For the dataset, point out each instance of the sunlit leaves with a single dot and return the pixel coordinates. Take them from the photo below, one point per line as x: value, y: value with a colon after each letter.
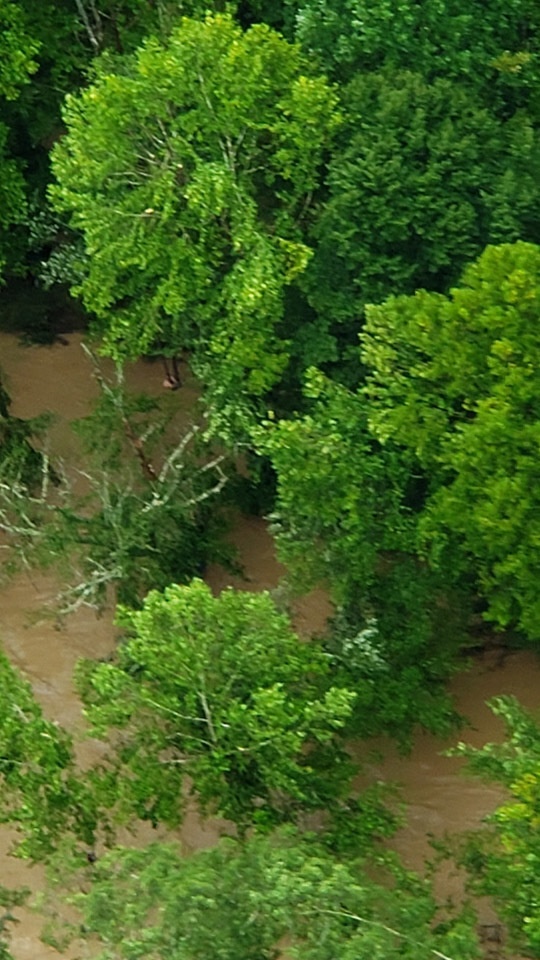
x: 245, y: 901
x: 221, y: 690
x: 454, y: 380
x: 503, y: 858
x: 194, y: 221
x: 18, y: 49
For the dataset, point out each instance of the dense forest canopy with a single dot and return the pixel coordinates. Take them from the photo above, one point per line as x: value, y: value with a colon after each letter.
x: 329, y: 211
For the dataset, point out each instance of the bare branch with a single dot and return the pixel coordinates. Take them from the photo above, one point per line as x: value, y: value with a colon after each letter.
x: 204, y: 702
x: 92, y: 36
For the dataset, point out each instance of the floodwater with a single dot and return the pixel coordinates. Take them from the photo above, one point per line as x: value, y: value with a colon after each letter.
x: 439, y: 798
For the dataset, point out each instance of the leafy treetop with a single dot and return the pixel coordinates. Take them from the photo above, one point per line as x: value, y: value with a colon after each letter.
x: 260, y: 894
x: 190, y: 170
x: 220, y: 690
x: 453, y: 380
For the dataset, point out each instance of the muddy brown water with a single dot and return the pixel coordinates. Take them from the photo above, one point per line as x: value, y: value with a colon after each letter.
x: 439, y: 798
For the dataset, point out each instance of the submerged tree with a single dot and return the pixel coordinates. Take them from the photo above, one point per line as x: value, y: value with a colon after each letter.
x: 141, y: 515
x: 453, y: 382
x: 22, y: 461
x: 220, y: 693
x: 346, y: 515
x: 503, y: 857
x: 191, y: 172
x: 42, y: 793
x: 244, y: 901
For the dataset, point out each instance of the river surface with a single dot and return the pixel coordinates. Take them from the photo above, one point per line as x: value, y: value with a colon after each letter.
x: 440, y: 799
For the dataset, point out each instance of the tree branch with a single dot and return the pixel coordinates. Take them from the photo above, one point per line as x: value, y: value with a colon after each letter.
x: 383, y: 926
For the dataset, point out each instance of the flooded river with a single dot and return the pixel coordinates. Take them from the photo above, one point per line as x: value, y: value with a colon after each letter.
x: 439, y: 797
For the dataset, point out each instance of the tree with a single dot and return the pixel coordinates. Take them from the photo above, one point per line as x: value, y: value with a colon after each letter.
x: 12, y: 198
x: 47, y: 51
x: 422, y: 177
x: 9, y: 898
x: 42, y: 793
x: 452, y: 381
x: 503, y: 858
x: 18, y: 49
x: 20, y: 459
x: 147, y: 514
x: 193, y: 223
x: 481, y: 43
x: 244, y: 901
x: 221, y: 691
x: 345, y: 517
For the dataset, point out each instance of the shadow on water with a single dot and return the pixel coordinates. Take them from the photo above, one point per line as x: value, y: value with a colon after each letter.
x: 37, y: 315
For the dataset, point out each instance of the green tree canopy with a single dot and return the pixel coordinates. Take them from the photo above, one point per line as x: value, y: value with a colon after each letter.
x: 422, y: 177
x: 244, y: 901
x: 503, y: 858
x: 18, y: 49
x: 345, y: 517
x: 190, y: 171
x: 471, y: 40
x: 41, y: 792
x: 454, y: 381
x: 220, y: 690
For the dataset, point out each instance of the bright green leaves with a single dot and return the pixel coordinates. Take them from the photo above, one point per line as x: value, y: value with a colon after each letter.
x: 244, y: 901
x: 190, y: 173
x: 454, y: 380
x: 18, y: 49
x: 40, y: 792
x: 220, y: 690
x: 503, y: 859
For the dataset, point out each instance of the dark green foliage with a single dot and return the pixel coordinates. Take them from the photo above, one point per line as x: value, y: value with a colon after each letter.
x: 423, y: 176
x: 345, y: 516
x: 12, y: 199
x: 397, y: 646
x: 471, y: 40
x: 21, y: 462
x: 337, y: 491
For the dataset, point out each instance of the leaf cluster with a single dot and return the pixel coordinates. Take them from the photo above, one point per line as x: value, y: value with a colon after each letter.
x: 220, y: 690
x: 502, y: 859
x: 260, y: 895
x: 452, y: 381
x: 345, y: 516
